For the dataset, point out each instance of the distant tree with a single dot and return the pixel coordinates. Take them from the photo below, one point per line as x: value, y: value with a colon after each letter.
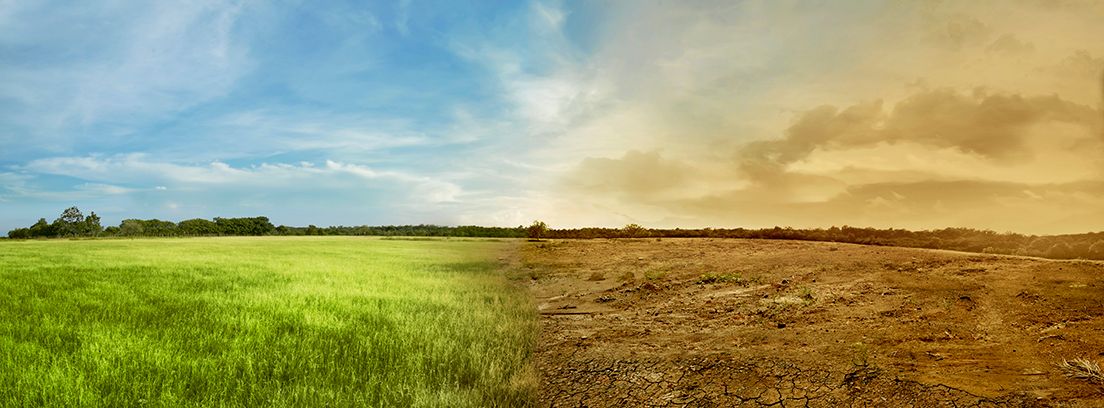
x: 19, y: 233
x: 634, y: 231
x: 1039, y: 246
x: 70, y: 223
x: 60, y: 228
x: 72, y: 215
x: 41, y: 229
x: 91, y: 226
x: 132, y: 228
x: 263, y: 226
x: 197, y: 227
x: 1096, y: 251
x: 537, y: 230
x: 245, y: 226
x: 313, y: 230
x: 1079, y: 249
x: 159, y: 228
x: 1060, y: 250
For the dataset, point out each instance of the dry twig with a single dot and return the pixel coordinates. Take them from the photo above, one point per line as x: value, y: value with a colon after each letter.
x: 1082, y: 369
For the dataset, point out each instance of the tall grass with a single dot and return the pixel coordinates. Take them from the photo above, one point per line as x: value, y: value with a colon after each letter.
x: 262, y: 322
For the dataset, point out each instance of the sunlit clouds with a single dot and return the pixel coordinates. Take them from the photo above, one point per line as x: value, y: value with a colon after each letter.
x: 915, y: 115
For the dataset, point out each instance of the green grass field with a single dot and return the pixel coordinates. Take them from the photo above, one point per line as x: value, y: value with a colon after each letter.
x: 310, y: 321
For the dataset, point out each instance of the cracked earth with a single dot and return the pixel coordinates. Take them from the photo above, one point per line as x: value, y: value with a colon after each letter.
x: 699, y: 322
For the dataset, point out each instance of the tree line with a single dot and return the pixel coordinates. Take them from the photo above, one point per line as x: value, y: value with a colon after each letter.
x: 423, y: 230
x: 1068, y: 246
x: 73, y: 223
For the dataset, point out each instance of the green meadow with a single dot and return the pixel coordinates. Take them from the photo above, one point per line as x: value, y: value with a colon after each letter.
x: 308, y: 321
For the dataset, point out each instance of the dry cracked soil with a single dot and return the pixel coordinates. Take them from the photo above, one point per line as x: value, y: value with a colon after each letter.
x: 730, y: 322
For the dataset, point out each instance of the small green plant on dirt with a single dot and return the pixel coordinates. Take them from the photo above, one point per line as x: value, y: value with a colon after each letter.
x: 709, y: 278
x: 860, y: 354
x: 946, y: 303
x: 1082, y: 369
x: 654, y: 275
x: 774, y: 308
x: 863, y: 371
x: 807, y: 294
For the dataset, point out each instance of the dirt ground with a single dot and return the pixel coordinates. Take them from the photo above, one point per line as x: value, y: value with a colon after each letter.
x: 728, y: 322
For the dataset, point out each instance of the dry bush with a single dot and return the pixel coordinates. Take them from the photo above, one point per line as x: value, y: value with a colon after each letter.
x: 1082, y: 369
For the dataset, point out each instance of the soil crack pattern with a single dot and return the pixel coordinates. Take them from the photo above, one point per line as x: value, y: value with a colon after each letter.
x: 757, y: 382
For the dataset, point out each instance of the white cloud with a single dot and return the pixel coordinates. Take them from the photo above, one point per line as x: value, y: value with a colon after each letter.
x: 294, y: 131
x: 432, y: 190
x: 402, y: 18
x: 12, y: 185
x: 133, y: 169
x: 22, y: 187
x: 103, y: 173
x: 547, y: 81
x: 550, y: 17
x: 176, y: 57
x: 114, y: 65
x: 103, y: 189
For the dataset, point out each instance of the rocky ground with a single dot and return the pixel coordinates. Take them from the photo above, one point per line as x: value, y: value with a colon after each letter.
x: 699, y: 322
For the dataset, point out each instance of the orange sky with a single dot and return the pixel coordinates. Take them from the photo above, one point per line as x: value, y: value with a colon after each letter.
x: 916, y: 114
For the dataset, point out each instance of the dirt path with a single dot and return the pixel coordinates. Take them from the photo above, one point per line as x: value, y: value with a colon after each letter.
x: 698, y: 322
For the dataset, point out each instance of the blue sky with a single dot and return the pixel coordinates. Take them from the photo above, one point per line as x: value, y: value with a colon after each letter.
x: 665, y: 114
x: 343, y: 112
